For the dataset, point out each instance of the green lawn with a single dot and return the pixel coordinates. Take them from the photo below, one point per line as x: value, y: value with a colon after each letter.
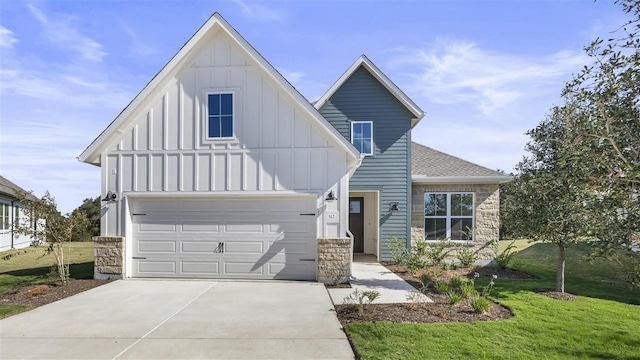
x: 32, y: 266
x: 604, y: 322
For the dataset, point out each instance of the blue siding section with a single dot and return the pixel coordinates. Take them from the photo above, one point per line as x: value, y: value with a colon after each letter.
x: 363, y: 98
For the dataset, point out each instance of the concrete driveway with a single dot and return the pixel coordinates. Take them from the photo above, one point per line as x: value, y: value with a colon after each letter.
x: 154, y: 319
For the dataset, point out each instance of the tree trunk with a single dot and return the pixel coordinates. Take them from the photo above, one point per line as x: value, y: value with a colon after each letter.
x: 560, y: 268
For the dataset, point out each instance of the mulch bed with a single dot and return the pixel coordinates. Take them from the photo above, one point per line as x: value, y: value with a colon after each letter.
x: 438, y: 311
x: 38, y: 295
x: 557, y: 295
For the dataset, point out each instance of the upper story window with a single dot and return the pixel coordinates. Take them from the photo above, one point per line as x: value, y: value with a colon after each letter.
x: 362, y: 136
x: 220, y: 116
x: 448, y: 216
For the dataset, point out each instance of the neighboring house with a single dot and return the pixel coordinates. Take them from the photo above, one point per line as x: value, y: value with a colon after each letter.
x: 219, y: 168
x: 10, y: 215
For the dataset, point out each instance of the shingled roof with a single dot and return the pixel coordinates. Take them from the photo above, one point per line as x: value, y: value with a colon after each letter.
x: 430, y: 165
x: 9, y: 188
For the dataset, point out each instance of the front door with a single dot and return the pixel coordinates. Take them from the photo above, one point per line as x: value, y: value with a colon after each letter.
x: 356, y: 222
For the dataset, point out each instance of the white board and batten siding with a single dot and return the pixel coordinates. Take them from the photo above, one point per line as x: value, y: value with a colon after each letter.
x: 278, y: 149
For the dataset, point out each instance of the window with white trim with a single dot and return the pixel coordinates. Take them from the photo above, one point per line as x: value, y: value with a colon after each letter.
x: 362, y: 136
x: 448, y: 216
x: 5, y: 215
x: 219, y: 115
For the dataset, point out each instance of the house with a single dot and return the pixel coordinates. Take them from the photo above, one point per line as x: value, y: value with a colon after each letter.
x: 219, y: 168
x: 10, y: 215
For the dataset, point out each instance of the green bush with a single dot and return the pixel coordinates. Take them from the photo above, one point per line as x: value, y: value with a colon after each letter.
x: 437, y: 251
x: 503, y: 259
x: 466, y: 255
x: 399, y: 252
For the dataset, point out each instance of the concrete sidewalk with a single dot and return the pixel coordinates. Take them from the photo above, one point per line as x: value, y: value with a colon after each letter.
x: 156, y: 319
x: 368, y: 274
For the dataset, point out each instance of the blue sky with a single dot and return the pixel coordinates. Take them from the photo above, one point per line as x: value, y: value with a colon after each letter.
x: 484, y: 71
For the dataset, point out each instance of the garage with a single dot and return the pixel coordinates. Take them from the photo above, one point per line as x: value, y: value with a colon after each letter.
x: 225, y: 237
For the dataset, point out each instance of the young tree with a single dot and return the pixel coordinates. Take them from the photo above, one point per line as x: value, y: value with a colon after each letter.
x: 544, y: 200
x: 603, y: 138
x: 56, y: 228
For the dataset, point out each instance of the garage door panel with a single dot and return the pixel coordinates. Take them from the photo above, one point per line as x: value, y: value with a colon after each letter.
x: 258, y: 244
x: 156, y: 246
x: 200, y: 227
x: 200, y: 267
x: 156, y: 267
x: 199, y: 246
x: 244, y: 228
x: 244, y: 247
x: 242, y: 268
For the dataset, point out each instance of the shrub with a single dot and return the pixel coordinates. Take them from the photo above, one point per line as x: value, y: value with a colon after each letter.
x: 466, y: 255
x: 361, y: 298
x: 480, y: 304
x: 503, y: 259
x: 415, y: 298
x: 455, y: 283
x: 38, y: 290
x: 399, y: 252
x: 454, y: 297
x: 468, y: 290
x: 437, y: 251
x: 442, y: 287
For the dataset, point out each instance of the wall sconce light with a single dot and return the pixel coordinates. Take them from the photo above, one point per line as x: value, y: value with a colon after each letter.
x: 110, y: 197
x: 331, y: 196
x: 394, y: 206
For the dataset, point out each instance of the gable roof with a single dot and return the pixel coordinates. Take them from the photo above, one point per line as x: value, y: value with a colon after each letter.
x: 432, y: 166
x: 92, y: 153
x: 9, y: 188
x: 382, y: 78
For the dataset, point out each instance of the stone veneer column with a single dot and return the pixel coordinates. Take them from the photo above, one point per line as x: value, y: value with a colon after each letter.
x: 334, y: 260
x: 109, y: 257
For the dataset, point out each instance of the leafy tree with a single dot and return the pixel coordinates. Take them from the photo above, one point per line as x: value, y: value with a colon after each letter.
x: 57, y: 229
x: 91, y: 210
x: 544, y: 198
x: 603, y: 138
x: 581, y: 180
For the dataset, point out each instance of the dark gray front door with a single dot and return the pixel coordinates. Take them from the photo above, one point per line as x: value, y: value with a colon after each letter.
x: 356, y: 222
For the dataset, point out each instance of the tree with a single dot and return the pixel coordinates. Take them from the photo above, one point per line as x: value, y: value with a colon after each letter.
x: 56, y: 228
x: 582, y: 178
x: 544, y: 198
x: 91, y: 210
x: 603, y: 139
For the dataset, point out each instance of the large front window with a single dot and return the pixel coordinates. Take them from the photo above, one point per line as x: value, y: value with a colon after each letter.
x: 362, y: 136
x: 448, y: 216
x: 220, y: 116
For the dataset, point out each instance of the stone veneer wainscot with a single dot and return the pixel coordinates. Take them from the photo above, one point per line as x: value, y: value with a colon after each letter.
x: 334, y: 260
x: 109, y: 257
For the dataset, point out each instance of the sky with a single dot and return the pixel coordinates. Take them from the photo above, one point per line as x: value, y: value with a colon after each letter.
x: 484, y: 71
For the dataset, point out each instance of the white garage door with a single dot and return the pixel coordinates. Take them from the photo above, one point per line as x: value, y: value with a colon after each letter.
x: 263, y: 238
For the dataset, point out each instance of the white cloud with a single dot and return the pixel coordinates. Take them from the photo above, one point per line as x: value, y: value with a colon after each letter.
x: 58, y: 30
x: 452, y: 72
x: 7, y: 39
x: 292, y: 76
x: 258, y: 12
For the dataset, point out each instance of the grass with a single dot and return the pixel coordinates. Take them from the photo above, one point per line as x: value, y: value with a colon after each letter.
x: 33, y: 266
x: 602, y: 323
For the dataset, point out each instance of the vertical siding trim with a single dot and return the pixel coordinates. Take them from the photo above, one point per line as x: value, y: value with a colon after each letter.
x: 134, y: 145
x: 180, y: 114
x: 150, y: 174
x: 212, y: 172
x: 165, y: 171
x: 150, y: 129
x: 165, y: 121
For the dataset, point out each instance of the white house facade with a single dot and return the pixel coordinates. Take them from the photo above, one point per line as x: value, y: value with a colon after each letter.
x: 219, y: 168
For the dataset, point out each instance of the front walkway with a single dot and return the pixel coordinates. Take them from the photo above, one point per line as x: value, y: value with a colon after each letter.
x: 368, y: 274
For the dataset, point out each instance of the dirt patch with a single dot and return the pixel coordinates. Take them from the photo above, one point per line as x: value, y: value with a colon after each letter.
x: 38, y: 295
x: 557, y: 295
x: 440, y: 310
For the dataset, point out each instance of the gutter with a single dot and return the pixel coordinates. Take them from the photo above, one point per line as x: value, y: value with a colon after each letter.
x: 13, y: 221
x: 423, y: 179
